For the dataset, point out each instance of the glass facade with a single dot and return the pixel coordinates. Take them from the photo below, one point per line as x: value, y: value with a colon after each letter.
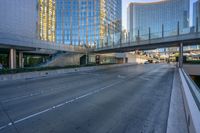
x: 77, y: 22
x: 110, y: 22
x: 82, y: 22
x: 47, y: 20
x: 158, y: 16
x: 196, y: 13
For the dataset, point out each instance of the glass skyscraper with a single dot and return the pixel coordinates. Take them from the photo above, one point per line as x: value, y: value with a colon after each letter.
x: 196, y: 13
x: 82, y: 22
x: 164, y: 14
x: 47, y: 20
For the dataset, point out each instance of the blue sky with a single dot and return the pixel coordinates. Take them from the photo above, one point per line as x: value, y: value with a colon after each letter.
x: 125, y: 5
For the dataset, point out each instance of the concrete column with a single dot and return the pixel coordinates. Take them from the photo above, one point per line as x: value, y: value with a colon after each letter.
x: 149, y: 33
x: 21, y: 60
x: 181, y: 55
x: 163, y: 30
x: 86, y: 57
x: 178, y: 28
x: 12, y: 58
x: 124, y: 58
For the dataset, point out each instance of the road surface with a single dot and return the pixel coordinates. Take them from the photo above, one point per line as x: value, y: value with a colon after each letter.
x: 126, y: 99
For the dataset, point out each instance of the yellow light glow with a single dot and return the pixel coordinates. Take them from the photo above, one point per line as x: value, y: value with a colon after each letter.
x: 47, y: 23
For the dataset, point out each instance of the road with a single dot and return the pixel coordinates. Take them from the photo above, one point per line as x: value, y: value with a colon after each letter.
x: 126, y: 99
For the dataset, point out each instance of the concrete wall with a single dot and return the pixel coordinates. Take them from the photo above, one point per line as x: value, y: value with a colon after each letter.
x: 132, y: 58
x: 192, y: 69
x: 191, y: 108
x: 18, y: 17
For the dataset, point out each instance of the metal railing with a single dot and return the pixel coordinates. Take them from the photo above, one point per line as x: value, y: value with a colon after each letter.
x: 146, y: 34
x: 114, y: 40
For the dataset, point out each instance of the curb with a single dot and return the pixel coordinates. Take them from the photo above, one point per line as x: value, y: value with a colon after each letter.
x: 176, y: 122
x: 29, y: 75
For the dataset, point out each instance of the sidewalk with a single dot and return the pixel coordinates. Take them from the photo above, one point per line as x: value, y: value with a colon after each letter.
x: 177, y: 120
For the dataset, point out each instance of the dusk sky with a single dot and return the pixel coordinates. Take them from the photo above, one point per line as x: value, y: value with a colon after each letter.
x: 125, y: 5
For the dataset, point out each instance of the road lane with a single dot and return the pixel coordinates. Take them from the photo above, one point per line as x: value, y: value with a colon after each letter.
x: 138, y: 100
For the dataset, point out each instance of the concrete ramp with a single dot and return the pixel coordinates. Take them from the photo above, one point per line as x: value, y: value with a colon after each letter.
x: 63, y: 59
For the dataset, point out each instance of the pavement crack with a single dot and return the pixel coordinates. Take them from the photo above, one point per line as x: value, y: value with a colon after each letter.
x: 8, y: 116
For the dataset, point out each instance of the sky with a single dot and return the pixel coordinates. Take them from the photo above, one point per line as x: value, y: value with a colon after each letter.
x: 125, y: 5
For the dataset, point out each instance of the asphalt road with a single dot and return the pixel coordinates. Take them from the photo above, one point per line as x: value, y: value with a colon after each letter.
x: 127, y: 99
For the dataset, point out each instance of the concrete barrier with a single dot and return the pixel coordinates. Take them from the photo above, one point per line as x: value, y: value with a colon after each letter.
x: 191, y: 108
x: 30, y: 75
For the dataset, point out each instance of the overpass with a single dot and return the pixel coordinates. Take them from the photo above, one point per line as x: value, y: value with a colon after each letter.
x: 119, y: 43
x: 17, y: 43
x: 23, y: 43
x: 152, y: 43
x: 151, y: 40
x: 173, y: 38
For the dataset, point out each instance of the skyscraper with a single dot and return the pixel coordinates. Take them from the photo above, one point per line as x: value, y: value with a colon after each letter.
x: 47, y: 23
x: 196, y: 13
x: 79, y: 22
x: 156, y: 16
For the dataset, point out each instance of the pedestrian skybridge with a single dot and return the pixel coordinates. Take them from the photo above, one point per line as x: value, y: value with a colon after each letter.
x: 125, y: 42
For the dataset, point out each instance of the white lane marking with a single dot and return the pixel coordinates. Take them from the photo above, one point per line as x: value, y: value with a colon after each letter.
x: 21, y: 97
x: 44, y: 91
x: 59, y: 105
x: 4, y: 127
x: 33, y: 115
x: 28, y: 95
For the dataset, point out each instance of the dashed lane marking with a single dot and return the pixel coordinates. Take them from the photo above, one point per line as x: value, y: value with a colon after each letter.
x: 59, y: 105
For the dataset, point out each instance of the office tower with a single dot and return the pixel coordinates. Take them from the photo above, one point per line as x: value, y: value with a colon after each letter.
x: 157, y: 16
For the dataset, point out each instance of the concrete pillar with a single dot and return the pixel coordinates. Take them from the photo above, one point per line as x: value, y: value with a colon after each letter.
x: 124, y: 58
x: 181, y: 55
x: 86, y: 58
x: 12, y: 59
x: 21, y: 60
x: 149, y: 33
x: 178, y: 28
x: 163, y: 30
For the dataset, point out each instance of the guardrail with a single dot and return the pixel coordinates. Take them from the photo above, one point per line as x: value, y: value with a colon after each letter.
x: 191, y: 97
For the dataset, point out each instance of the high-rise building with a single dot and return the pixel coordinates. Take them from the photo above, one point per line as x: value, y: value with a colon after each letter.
x: 164, y: 14
x: 47, y: 20
x: 80, y: 22
x: 196, y: 13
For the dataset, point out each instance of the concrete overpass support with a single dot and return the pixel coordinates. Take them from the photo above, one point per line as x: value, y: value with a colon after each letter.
x: 21, y: 60
x: 12, y: 59
x: 181, y: 55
